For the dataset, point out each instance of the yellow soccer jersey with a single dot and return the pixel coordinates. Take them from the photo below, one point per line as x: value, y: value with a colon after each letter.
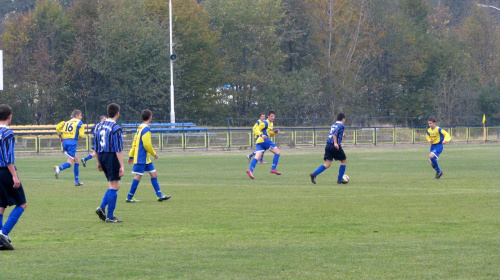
x: 142, y: 146
x: 437, y: 135
x: 264, y: 128
x: 255, y: 129
x: 72, y: 129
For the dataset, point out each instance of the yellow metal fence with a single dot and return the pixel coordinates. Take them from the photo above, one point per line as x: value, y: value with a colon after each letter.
x: 31, y: 142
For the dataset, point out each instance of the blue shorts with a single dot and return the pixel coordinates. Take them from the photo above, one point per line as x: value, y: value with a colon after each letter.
x: 140, y: 168
x: 264, y: 146
x: 9, y: 196
x: 69, y: 147
x: 110, y: 166
x: 436, y: 150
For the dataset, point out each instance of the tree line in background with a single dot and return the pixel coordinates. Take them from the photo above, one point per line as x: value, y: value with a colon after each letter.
x: 402, y: 60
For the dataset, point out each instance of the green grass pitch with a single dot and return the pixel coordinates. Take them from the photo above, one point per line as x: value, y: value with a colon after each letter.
x: 392, y: 221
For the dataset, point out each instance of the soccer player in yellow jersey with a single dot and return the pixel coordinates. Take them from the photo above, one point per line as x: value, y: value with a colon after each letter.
x: 255, y: 126
x: 437, y: 137
x: 69, y: 132
x: 139, y: 155
x: 265, y: 131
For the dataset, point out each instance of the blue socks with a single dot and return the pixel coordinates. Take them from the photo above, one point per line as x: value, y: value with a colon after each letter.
x: 276, y: 158
x: 156, y: 186
x: 109, y: 199
x: 252, y: 164
x: 64, y: 166
x: 435, y: 164
x: 320, y: 170
x: 341, y: 172
x: 76, y: 169
x: 112, y: 197
x: 104, y: 202
x: 133, y: 188
x: 88, y: 157
x: 12, y: 220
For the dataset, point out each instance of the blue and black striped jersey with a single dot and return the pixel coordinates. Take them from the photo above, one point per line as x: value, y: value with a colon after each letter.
x: 337, y: 129
x: 108, y: 137
x: 7, y: 144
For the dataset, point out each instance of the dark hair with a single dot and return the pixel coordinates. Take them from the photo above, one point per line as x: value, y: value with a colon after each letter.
x: 76, y: 113
x: 113, y: 109
x: 5, y: 112
x: 431, y: 119
x: 146, y: 114
x: 340, y: 116
x: 271, y: 112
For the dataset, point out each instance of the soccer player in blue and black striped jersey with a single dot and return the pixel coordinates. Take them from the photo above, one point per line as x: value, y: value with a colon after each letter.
x: 108, y: 144
x: 11, y: 189
x: 334, y: 151
x: 69, y: 132
x: 142, y: 147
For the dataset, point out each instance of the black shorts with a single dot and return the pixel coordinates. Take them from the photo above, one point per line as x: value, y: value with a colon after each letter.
x: 110, y: 166
x: 331, y: 153
x: 9, y: 196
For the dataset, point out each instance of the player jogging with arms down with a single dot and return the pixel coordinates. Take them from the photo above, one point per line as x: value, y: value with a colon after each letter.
x: 264, y: 143
x: 11, y: 189
x: 69, y: 132
x: 108, y: 144
x: 139, y: 155
x: 334, y: 151
x: 437, y: 137
x: 255, y: 131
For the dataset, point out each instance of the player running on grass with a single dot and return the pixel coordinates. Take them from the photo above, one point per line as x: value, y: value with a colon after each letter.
x: 264, y: 143
x: 69, y: 132
x: 334, y: 151
x: 255, y: 131
x: 437, y: 137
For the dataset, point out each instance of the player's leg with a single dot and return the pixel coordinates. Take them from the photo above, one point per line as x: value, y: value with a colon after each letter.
x: 76, y: 171
x: 70, y: 152
x: 320, y: 169
x: 156, y: 187
x: 88, y: 157
x: 133, y: 188
x: 342, y: 167
x: 17, y: 197
x: 138, y: 170
x: 433, y: 157
x: 250, y: 156
x: 258, y: 153
x: 276, y: 159
x: 112, y: 198
x: 262, y: 158
x: 340, y: 155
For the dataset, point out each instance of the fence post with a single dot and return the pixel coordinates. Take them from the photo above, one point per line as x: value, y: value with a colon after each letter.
x: 206, y: 140
x: 161, y: 141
